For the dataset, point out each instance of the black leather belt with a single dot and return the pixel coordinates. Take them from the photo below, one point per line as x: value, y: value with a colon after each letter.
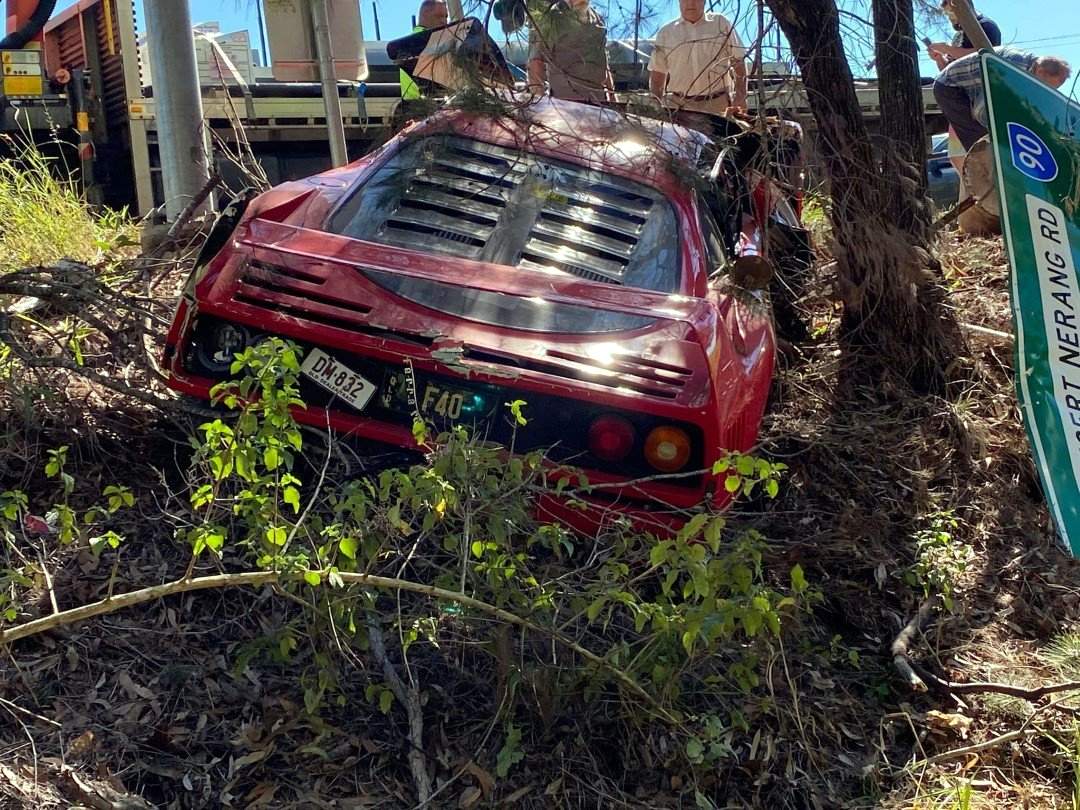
x: 710, y: 97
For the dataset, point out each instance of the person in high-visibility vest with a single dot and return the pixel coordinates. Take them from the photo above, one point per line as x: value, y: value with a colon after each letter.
x: 432, y: 14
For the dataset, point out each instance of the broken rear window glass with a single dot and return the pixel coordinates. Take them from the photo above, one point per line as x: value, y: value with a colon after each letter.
x: 454, y: 196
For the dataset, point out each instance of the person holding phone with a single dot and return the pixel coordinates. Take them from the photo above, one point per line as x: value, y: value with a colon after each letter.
x: 945, y: 52
x: 959, y: 88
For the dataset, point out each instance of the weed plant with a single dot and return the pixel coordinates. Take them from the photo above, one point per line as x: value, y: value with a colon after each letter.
x: 46, y: 218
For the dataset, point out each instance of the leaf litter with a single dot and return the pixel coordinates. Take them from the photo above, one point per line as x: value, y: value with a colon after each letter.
x: 150, y: 708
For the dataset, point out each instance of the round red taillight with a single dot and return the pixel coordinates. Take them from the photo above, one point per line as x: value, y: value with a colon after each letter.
x: 611, y: 438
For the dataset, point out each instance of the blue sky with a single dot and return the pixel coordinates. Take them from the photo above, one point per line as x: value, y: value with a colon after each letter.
x: 1045, y: 27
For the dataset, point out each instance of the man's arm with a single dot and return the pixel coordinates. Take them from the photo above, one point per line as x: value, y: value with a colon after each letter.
x: 733, y: 49
x: 658, y: 65
x: 536, y: 66
x: 739, y: 99
x: 657, y: 83
x: 537, y: 76
x: 947, y: 51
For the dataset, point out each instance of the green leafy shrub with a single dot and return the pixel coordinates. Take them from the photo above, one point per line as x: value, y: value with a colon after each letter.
x: 675, y: 618
x: 940, y: 559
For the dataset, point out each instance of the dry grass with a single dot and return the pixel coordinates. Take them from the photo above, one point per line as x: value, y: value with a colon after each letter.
x: 46, y: 219
x: 868, y: 478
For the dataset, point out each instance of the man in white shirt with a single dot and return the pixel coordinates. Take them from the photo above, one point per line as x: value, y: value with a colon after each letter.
x: 698, y: 62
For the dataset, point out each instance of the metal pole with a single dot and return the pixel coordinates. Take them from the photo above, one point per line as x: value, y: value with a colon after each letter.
x: 262, y: 33
x: 965, y: 14
x: 759, y: 64
x: 335, y: 127
x: 375, y: 11
x: 177, y: 103
x: 637, y: 28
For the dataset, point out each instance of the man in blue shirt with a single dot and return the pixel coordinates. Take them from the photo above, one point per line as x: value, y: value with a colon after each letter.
x: 959, y: 88
x: 944, y: 52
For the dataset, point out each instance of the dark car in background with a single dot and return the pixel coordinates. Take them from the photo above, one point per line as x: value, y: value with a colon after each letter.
x: 943, y: 181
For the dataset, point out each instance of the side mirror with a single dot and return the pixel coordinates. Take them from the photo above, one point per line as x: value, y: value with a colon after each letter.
x: 752, y: 272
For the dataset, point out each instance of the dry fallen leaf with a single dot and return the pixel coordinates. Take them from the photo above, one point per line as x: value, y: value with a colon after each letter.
x: 252, y: 758
x: 260, y: 795
x: 946, y: 723
x: 483, y: 777
x: 36, y: 526
x: 469, y: 797
x: 133, y: 689
x: 881, y: 576
x: 26, y: 788
x: 517, y: 796
x: 81, y: 745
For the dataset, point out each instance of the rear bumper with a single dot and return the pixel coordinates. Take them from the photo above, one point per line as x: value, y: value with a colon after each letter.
x: 584, y: 514
x: 650, y: 505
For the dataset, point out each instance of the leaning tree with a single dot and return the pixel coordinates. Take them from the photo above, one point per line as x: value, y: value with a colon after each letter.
x: 896, y: 322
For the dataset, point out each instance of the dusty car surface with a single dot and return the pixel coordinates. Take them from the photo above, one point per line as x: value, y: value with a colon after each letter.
x: 560, y: 255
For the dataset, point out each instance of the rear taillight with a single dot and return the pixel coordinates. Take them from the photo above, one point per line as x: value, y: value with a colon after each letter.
x: 611, y: 438
x: 217, y: 347
x: 667, y: 448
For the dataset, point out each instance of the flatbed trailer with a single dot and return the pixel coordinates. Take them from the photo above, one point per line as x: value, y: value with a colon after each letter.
x: 284, y: 122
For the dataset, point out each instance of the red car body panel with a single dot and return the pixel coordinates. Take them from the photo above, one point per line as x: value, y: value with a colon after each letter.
x: 705, y: 358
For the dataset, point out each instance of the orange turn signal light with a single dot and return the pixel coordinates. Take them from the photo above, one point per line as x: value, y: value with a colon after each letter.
x: 667, y: 448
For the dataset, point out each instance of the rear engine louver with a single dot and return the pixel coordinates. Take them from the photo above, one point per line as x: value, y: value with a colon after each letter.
x: 296, y: 292
x: 590, y: 234
x: 627, y: 371
x: 454, y: 203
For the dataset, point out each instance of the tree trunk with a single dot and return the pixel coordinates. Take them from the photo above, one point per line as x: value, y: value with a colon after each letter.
x: 903, y: 127
x: 895, y: 323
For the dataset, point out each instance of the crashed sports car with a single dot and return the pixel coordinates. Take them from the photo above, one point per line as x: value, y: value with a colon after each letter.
x: 566, y: 255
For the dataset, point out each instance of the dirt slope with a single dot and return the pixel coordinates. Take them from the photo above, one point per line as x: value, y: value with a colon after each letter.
x: 884, y: 503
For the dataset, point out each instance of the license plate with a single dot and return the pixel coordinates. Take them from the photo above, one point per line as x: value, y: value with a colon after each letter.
x: 337, y: 378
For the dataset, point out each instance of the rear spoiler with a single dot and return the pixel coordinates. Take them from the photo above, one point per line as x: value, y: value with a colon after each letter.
x: 291, y: 243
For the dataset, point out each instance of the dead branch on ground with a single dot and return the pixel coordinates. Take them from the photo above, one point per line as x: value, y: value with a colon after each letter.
x: 409, y: 698
x: 921, y: 679
x: 902, y: 642
x: 257, y: 578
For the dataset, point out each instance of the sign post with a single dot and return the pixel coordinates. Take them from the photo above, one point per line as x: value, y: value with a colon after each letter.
x: 1036, y: 138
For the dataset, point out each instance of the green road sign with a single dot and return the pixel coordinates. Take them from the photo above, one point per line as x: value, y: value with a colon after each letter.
x: 1035, y: 132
